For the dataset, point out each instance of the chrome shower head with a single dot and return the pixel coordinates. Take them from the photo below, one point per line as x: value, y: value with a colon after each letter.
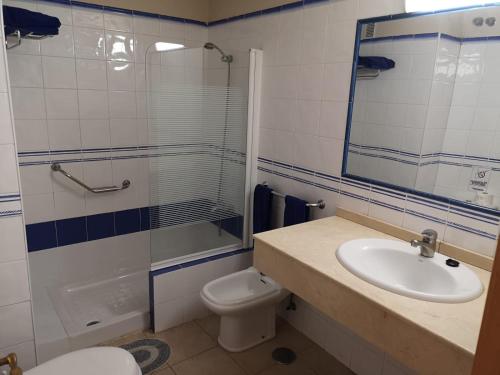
x: 225, y: 58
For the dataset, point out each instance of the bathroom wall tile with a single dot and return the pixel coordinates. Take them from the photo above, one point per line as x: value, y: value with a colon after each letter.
x: 39, y: 208
x: 424, y: 214
x: 146, y: 25
x: 61, y: 104
x: 122, y: 104
x: 336, y: 81
x: 70, y: 203
x: 6, y: 131
x: 8, y: 171
x: 93, y: 104
x: 64, y: 135
x: 119, y: 46
x: 25, y: 353
x: 29, y: 103
x: 88, y: 17
x: 61, y: 45
x: 71, y: 231
x: 366, y: 359
x: 121, y: 75
x: 91, y: 74
x: 59, y: 72
x: 12, y: 234
x: 118, y: 21
x: 123, y: 132
x: 61, y: 11
x: 168, y: 315
x: 95, y: 133
x: 14, y: 274
x: 89, y: 43
x: 16, y: 322
x: 25, y: 70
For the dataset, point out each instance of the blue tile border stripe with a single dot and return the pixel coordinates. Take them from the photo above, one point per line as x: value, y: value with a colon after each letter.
x: 490, y: 218
x: 68, y: 231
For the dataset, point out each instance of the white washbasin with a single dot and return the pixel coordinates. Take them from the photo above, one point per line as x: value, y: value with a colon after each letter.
x: 399, y: 268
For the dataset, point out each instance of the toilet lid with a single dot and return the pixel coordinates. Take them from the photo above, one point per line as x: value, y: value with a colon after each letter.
x: 101, y: 360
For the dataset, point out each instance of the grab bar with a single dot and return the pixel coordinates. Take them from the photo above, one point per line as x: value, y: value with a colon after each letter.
x: 56, y: 167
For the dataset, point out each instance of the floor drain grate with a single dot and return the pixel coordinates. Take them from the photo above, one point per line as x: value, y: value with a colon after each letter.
x: 92, y: 323
x: 284, y: 356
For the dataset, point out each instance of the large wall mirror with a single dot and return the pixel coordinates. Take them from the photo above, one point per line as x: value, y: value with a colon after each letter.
x: 425, y: 112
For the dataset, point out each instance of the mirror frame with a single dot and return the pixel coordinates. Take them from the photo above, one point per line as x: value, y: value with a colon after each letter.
x: 352, y: 92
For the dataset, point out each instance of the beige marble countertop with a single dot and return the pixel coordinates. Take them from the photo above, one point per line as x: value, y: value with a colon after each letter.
x: 314, y: 244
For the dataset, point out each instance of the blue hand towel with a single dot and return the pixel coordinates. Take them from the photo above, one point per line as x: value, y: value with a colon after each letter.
x: 375, y: 62
x: 262, y: 205
x: 28, y: 22
x: 296, y: 211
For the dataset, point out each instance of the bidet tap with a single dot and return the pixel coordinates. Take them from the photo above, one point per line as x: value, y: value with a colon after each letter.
x: 428, y: 244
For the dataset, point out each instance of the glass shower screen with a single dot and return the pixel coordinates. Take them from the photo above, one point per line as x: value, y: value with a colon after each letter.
x: 197, y: 119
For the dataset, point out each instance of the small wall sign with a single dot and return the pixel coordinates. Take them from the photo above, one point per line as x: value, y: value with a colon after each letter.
x: 479, y: 179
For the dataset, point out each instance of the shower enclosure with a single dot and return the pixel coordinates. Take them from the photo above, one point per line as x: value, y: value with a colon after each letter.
x: 199, y: 174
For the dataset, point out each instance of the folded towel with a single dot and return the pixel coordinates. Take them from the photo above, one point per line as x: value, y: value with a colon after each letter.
x: 375, y: 62
x: 296, y: 211
x: 262, y: 204
x: 28, y: 22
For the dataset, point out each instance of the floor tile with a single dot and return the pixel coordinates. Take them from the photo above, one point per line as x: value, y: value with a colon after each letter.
x: 212, y: 362
x: 210, y: 325
x: 164, y: 371
x: 323, y: 363
x: 122, y: 340
x: 186, y: 341
x: 297, y: 368
x: 259, y: 358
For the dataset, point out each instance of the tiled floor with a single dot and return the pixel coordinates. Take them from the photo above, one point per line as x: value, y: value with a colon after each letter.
x: 195, y: 352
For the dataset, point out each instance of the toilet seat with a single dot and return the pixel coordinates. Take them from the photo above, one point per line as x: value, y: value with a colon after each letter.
x: 239, y: 291
x: 100, y: 360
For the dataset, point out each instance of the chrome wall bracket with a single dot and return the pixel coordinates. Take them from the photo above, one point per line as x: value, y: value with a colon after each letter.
x: 56, y: 167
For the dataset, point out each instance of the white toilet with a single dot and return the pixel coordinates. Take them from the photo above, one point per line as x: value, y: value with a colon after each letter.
x: 246, y: 302
x: 100, y: 360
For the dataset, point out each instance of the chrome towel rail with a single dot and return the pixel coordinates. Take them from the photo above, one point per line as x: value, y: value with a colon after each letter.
x: 321, y: 204
x: 56, y: 167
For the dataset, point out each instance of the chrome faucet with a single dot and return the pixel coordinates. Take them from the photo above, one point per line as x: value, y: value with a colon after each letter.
x: 428, y: 244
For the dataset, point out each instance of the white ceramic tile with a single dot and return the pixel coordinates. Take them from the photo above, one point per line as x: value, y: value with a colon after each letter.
x: 91, y: 74
x: 172, y: 29
x: 309, y: 115
x: 146, y: 25
x: 89, y: 43
x: 167, y: 315
x: 70, y: 203
x: 8, y: 169
x: 17, y: 324
x: 123, y: 132
x: 32, y: 135
x: 14, y: 274
x: 121, y: 75
x: 25, y: 71
x: 119, y: 46
x: 38, y: 208
x: 366, y: 359
x: 336, y: 82
x: 88, y: 17
x: 93, y: 104
x: 61, y: 45
x: 118, y: 21
x: 95, y: 133
x: 62, y: 184
x: 122, y: 104
x: 12, y: 234
x: 339, y: 45
x: 310, y: 81
x: 64, y: 134
x: 25, y: 354
x: 63, y: 12
x: 61, y: 104
x: 6, y: 134
x: 59, y: 72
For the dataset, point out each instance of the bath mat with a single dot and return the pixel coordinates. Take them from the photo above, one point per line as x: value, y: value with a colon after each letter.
x: 150, y: 354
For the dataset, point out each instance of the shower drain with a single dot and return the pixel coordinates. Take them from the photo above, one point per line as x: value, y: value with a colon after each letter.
x: 93, y: 323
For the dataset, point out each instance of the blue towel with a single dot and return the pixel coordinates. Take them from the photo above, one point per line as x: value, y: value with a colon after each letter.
x: 375, y: 62
x: 262, y: 205
x: 28, y: 22
x: 296, y: 211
